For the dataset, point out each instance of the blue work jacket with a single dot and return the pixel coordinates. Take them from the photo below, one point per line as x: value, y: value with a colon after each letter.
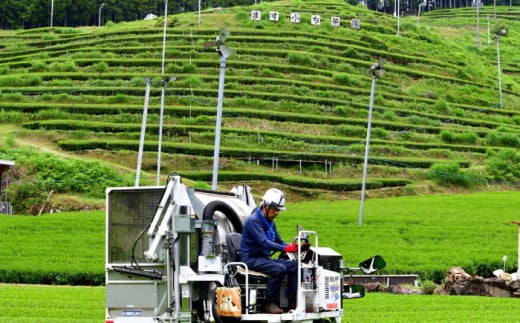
x: 254, y: 242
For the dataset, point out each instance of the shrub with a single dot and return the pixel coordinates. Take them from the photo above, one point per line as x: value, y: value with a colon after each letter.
x: 465, y: 137
x: 428, y: 287
x: 417, y: 120
x: 189, y: 68
x: 503, y: 139
x: 137, y: 81
x: 66, y: 66
x: 442, y: 106
x: 17, y: 80
x: 37, y: 66
x: 345, y: 79
x: 389, y: 116
x: 459, y: 112
x: 61, y: 82
x: 193, y: 53
x: 503, y: 165
x: 301, y: 59
x: 171, y: 68
x: 39, y: 174
x: 14, y: 97
x: 10, y: 141
x: 378, y: 132
x: 351, y: 131
x: 4, y: 70
x: 101, y: 67
x: 439, y: 153
x: 52, y: 114
x: 192, y: 81
x: 373, y: 42
x: 268, y: 72
x: 451, y: 174
x: 119, y: 98
x: 351, y: 52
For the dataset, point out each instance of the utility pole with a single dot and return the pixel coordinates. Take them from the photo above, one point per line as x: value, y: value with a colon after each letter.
x: 478, y: 25
x: 376, y: 70
x: 52, y: 12
x: 163, y: 90
x: 224, y: 52
x: 99, y: 14
x: 143, y: 131
x: 498, y: 33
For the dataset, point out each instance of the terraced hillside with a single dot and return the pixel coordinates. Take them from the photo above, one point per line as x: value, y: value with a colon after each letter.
x: 296, y: 98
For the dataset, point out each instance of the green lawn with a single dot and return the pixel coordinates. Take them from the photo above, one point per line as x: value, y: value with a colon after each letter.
x: 60, y: 304
x: 382, y: 307
x: 51, y: 304
x: 422, y: 235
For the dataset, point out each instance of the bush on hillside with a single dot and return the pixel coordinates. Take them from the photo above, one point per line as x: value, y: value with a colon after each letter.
x: 453, y: 137
x: 503, y: 139
x: 503, y: 165
x: 17, y: 80
x: 37, y: 175
x: 450, y: 174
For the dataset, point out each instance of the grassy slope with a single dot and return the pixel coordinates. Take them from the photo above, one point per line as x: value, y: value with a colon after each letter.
x: 429, y: 83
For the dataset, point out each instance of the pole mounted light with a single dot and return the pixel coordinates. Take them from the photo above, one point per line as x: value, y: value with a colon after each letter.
x: 499, y: 31
x: 52, y: 12
x: 164, y: 81
x: 224, y: 52
x: 478, y: 24
x: 376, y: 70
x: 143, y: 132
x: 419, y: 12
x: 99, y: 14
x: 398, y: 20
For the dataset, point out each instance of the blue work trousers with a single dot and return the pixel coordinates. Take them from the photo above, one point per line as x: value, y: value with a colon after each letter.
x: 276, y: 269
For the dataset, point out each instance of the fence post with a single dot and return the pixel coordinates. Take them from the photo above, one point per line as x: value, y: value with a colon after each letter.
x: 326, y: 167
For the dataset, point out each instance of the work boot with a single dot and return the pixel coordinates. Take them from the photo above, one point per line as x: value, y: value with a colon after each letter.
x: 272, y: 308
x: 292, y: 302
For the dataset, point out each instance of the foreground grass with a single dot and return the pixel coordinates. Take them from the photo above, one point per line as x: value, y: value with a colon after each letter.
x: 51, y: 304
x: 58, y: 304
x: 382, y: 307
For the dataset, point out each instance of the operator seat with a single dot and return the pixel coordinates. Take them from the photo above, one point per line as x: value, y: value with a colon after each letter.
x: 233, y: 247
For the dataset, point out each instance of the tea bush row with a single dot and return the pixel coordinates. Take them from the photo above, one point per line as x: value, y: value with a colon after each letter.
x: 348, y: 135
x: 300, y: 181
x: 207, y: 150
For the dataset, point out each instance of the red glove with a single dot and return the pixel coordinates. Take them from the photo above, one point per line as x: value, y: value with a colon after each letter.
x: 291, y: 247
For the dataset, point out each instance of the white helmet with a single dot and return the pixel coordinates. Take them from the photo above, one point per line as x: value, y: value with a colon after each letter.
x: 274, y: 197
